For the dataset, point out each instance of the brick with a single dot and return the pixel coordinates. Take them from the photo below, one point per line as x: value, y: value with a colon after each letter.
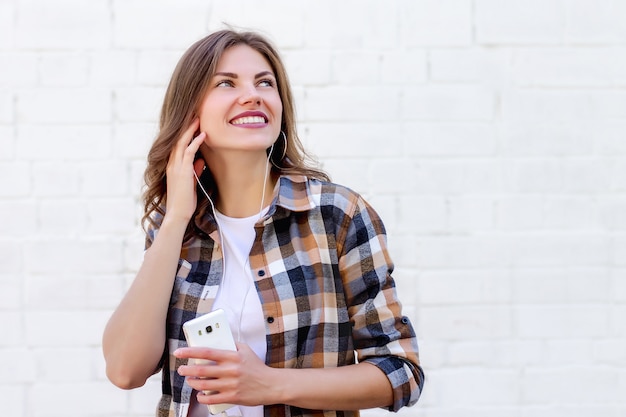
x: 562, y: 321
x: 155, y: 67
x: 569, y: 67
x: 51, y: 179
x: 608, y: 105
x: 7, y: 142
x: 562, y: 386
x: 286, y: 30
x: 354, y: 104
x: 580, y: 249
x: 618, y: 286
x: 595, y: 22
x: 349, y: 25
x: 540, y: 175
x: 405, y: 67
x: 588, y: 175
x: 617, y: 174
x: 611, y: 212
x: 342, y: 172
x: 133, y: 140
x: 140, y: 104
x: 63, y: 69
x: 112, y: 67
x: 528, y: 138
x: 105, y: 179
x: 471, y: 213
x: 11, y: 323
x: 15, y: 179
x: 27, y: 214
x: 618, y: 321
x: 489, y: 387
x: 464, y: 252
x: 145, y: 398
x: 463, y: 322
x: 489, y: 66
x: 548, y: 106
x: 365, y: 140
x: 64, y: 106
x: 7, y: 107
x: 52, y: 400
x: 419, y: 214
x: 456, y: 176
x: 576, y: 410
x: 18, y: 69
x: 448, y: 102
x: 515, y: 22
x: 65, y: 216
x: 65, y: 359
x: 11, y: 257
x: 63, y: 291
x: 450, y: 139
x: 87, y: 256
x: 308, y: 67
x: 356, y: 68
x: 618, y: 250
x: 144, y: 24
x: 10, y: 292
x: 17, y: 393
x: 7, y: 26
x: 63, y: 142
x: 110, y: 216
x: 134, y: 244
x: 607, y: 137
x: 561, y: 285
x: 610, y: 352
x: 520, y: 213
x: 434, y: 23
x: 41, y: 328
x: 387, y: 208
x: 42, y: 25
x: 387, y: 176
x: 464, y: 287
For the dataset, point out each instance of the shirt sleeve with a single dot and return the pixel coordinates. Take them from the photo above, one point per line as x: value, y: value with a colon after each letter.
x: 382, y: 335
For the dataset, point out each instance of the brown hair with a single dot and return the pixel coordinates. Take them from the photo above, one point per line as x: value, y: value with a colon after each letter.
x: 184, y: 94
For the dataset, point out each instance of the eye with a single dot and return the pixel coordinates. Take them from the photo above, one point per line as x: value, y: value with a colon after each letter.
x: 266, y: 83
x: 224, y: 83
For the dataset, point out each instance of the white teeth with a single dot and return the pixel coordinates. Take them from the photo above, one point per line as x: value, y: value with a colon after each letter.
x: 248, y: 120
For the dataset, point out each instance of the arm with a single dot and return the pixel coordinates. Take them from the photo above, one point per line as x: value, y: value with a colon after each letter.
x: 388, y: 374
x: 134, y: 338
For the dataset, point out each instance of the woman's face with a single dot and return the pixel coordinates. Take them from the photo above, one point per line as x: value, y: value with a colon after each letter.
x: 242, y: 109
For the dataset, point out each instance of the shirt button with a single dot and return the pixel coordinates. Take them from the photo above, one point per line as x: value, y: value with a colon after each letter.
x: 270, y: 320
x: 405, y: 320
x: 261, y: 273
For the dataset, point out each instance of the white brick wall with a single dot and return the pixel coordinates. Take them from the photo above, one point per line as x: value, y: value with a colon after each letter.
x: 489, y: 134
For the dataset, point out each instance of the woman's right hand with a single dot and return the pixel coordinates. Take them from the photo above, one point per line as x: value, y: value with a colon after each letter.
x: 181, y: 183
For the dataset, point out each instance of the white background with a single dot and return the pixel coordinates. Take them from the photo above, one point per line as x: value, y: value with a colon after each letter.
x: 489, y: 134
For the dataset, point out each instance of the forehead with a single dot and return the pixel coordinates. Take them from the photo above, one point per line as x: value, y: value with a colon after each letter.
x: 241, y: 59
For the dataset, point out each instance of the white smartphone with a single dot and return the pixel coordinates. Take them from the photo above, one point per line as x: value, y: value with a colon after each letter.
x: 213, y: 331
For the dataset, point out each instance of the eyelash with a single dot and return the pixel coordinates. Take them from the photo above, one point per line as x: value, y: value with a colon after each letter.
x: 270, y: 83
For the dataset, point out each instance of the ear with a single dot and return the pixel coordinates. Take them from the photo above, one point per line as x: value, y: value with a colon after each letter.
x: 199, y: 165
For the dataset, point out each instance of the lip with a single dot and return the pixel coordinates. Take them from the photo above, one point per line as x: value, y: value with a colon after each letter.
x: 250, y: 114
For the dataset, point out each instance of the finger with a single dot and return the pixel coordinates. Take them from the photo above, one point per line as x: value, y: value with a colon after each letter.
x: 186, y: 137
x: 204, y: 353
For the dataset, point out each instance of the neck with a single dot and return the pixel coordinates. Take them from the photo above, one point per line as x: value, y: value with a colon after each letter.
x: 241, y: 181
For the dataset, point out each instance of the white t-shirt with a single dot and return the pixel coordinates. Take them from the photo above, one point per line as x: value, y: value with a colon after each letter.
x: 237, y: 294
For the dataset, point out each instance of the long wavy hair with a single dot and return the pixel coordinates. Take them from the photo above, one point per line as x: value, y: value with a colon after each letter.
x: 183, y: 97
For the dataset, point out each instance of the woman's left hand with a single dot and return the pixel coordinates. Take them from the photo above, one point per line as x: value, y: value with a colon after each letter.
x: 236, y: 377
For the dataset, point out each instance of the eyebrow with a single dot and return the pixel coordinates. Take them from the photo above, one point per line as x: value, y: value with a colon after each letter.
x: 233, y: 75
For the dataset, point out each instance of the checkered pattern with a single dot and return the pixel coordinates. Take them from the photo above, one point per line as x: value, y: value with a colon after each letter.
x: 322, y: 274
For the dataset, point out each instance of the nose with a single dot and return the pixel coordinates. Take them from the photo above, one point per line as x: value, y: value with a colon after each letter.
x: 250, y: 96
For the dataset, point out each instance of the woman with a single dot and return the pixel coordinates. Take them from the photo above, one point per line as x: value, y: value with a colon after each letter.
x: 238, y: 219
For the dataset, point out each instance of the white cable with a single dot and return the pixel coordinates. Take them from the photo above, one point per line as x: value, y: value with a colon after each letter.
x: 219, y: 229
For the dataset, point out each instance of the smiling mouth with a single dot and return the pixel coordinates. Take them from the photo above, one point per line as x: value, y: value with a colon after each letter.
x: 248, y: 120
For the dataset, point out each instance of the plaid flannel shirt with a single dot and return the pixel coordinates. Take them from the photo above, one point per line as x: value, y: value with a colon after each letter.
x: 323, y: 275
